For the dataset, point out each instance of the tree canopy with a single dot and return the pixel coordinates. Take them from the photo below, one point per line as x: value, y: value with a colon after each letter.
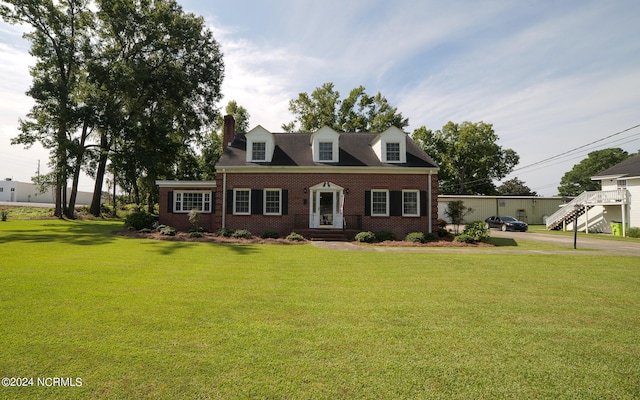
x: 578, y: 179
x: 359, y: 112
x: 134, y: 83
x: 515, y: 187
x: 468, y: 156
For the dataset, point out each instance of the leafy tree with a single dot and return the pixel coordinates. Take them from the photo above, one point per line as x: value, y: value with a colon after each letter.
x: 164, y: 69
x: 578, y: 180
x: 515, y: 187
x: 358, y: 112
x: 456, y: 211
x: 59, y: 31
x: 468, y: 156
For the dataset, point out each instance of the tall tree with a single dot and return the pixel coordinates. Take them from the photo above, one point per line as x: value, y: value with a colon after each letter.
x: 578, y: 180
x: 59, y: 32
x: 515, y: 187
x: 358, y: 112
x: 468, y: 155
x: 165, y: 69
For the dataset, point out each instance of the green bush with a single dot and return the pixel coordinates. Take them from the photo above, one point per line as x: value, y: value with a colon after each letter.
x: 139, y: 220
x: 295, y: 237
x: 478, y: 231
x: 383, y: 236
x: 365, y: 237
x: 145, y: 230
x: 464, y: 238
x: 195, y: 235
x: 430, y: 237
x: 633, y: 232
x: 242, y: 234
x: 415, y: 237
x: 442, y: 228
x: 270, y: 235
x: 168, y: 231
x: 226, y: 232
x: 4, y: 214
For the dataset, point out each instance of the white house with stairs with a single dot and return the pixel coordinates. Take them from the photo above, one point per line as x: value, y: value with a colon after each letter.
x: 617, y: 202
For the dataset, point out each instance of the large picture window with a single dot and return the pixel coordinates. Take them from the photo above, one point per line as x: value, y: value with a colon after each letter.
x: 380, y: 202
x: 410, y: 203
x: 242, y: 201
x: 272, y: 202
x: 185, y: 201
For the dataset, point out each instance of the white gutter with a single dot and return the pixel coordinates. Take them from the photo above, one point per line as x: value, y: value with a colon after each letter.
x: 224, y: 197
x: 430, y: 206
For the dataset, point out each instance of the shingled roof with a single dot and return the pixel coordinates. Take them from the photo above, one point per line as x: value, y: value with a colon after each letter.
x: 294, y: 150
x: 628, y: 168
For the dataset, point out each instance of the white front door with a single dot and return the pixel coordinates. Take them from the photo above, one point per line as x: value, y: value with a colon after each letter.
x: 325, y: 209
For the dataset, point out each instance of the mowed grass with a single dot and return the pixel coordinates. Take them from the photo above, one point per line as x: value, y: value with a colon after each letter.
x: 149, y: 319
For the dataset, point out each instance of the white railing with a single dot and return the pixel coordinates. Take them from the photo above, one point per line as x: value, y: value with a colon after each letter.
x: 595, y: 198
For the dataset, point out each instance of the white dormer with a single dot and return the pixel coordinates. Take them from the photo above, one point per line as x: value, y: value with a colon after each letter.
x: 324, y: 144
x: 391, y: 146
x: 260, y: 145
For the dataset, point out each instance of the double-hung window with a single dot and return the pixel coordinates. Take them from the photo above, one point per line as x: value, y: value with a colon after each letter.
x: 410, y: 203
x: 325, y: 151
x: 393, y: 152
x: 258, y: 151
x: 185, y: 201
x: 272, y: 202
x: 241, y: 201
x: 380, y: 203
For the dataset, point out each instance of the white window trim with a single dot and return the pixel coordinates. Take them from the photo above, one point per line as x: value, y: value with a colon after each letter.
x: 417, y: 214
x: 264, y: 201
x: 386, y: 192
x: 331, y: 144
x: 235, y: 211
x: 253, y: 158
x: 181, y: 193
x: 386, y: 150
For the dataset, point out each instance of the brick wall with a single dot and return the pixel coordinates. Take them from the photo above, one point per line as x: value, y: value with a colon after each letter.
x: 299, y: 200
x: 180, y: 220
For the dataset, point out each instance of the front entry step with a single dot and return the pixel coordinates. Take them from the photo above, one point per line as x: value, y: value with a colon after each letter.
x: 328, y: 235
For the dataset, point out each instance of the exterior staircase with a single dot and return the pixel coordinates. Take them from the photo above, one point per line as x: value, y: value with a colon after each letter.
x: 581, y: 204
x: 328, y: 235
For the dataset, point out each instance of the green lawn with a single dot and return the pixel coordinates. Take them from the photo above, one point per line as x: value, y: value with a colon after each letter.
x: 149, y: 319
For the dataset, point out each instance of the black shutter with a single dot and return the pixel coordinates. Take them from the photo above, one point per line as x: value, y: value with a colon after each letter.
x: 395, y: 203
x: 285, y: 202
x: 367, y: 203
x: 256, y: 201
x: 170, y: 201
x: 213, y: 202
x: 229, y: 201
x: 423, y: 203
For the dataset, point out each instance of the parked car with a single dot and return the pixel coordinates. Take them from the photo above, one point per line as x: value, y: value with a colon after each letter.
x: 506, y: 223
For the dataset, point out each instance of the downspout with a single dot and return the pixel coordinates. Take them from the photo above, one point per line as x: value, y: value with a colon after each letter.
x: 430, y: 205
x: 224, y: 197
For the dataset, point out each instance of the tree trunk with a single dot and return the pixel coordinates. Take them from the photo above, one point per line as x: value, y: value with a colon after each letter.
x: 80, y: 150
x: 96, y: 201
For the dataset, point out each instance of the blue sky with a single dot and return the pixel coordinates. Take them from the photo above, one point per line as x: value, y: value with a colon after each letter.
x: 550, y: 76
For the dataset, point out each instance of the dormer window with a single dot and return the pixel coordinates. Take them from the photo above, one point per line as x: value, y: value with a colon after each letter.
x: 258, y: 151
x: 324, y: 145
x: 260, y: 145
x: 326, y: 151
x: 393, y: 152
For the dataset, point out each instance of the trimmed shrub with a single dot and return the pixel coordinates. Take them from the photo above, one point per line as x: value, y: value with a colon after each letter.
x: 270, y: 235
x: 226, y: 232
x: 464, y: 238
x: 4, y: 214
x: 633, y: 232
x: 383, y: 236
x: 242, y: 234
x: 430, y: 237
x: 415, y: 237
x: 168, y: 231
x: 477, y: 230
x: 139, y: 220
x: 442, y: 228
x: 195, y: 235
x: 295, y: 237
x: 365, y: 237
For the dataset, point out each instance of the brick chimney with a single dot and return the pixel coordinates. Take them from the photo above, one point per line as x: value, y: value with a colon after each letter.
x: 228, y: 131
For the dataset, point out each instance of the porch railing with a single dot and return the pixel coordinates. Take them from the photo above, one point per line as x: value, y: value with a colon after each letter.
x: 301, y: 221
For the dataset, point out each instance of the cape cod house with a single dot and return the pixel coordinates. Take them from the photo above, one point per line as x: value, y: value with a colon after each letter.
x: 315, y: 184
x: 611, y: 210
